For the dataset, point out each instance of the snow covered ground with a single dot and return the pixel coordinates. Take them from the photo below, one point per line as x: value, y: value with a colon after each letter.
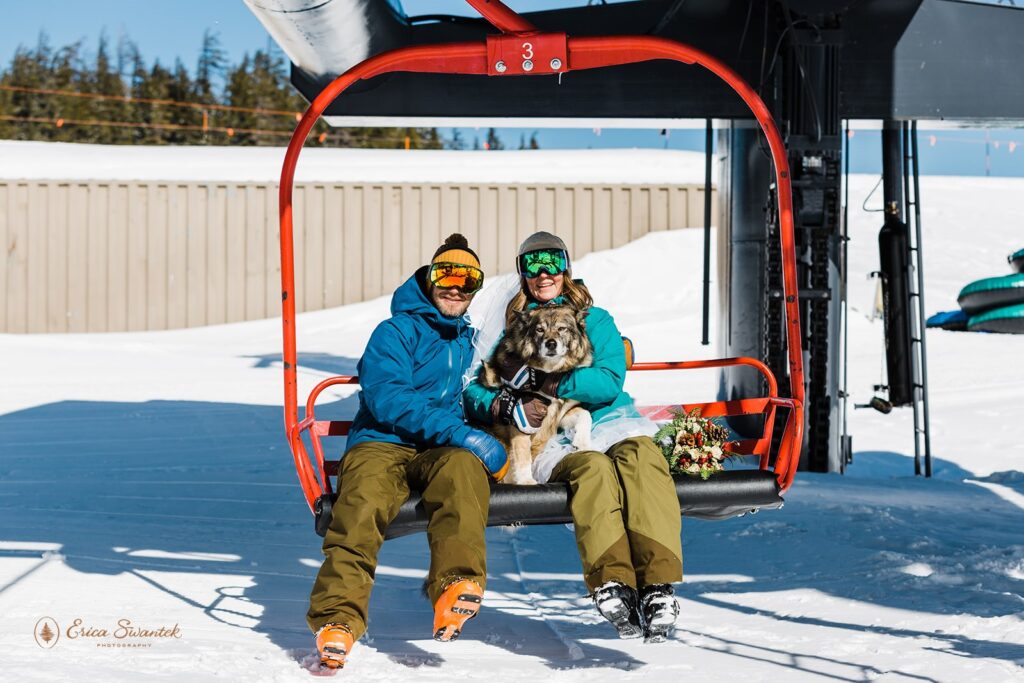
x: 21, y: 160
x: 146, y: 477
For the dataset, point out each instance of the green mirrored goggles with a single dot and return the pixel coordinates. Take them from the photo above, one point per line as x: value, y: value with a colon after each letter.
x: 550, y: 261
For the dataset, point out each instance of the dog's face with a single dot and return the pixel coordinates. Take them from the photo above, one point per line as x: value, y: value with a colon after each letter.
x: 552, y: 338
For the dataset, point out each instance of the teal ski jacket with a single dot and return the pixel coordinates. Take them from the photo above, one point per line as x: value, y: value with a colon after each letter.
x: 598, y: 387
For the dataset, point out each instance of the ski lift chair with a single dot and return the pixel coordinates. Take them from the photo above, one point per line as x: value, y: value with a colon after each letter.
x: 521, y: 50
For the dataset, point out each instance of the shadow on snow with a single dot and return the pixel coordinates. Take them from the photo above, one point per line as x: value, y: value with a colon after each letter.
x: 110, y: 481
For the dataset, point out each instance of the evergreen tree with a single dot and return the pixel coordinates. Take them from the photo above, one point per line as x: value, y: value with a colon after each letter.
x: 180, y: 89
x: 533, y: 141
x: 136, y: 95
x: 155, y: 86
x: 67, y: 72
x: 135, y: 76
x: 209, y: 67
x: 456, y: 141
x: 493, y: 141
x: 240, y: 91
x: 29, y: 69
x: 107, y: 81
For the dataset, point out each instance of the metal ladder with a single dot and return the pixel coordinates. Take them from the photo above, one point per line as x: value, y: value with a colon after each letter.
x: 918, y: 344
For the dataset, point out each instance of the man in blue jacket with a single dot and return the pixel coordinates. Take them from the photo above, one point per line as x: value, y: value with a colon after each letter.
x: 409, y: 432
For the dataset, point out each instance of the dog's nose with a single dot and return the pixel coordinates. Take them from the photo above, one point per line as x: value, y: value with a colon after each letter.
x: 551, y: 344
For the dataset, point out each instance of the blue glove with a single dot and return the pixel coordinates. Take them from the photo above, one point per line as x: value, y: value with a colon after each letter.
x: 484, y: 446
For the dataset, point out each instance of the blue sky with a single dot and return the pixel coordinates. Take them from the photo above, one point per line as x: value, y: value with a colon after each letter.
x: 169, y: 29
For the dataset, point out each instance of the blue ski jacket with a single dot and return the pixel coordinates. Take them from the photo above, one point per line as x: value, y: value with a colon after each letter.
x: 411, y: 374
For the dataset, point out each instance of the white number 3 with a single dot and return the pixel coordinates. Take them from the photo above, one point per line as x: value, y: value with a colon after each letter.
x: 527, y: 50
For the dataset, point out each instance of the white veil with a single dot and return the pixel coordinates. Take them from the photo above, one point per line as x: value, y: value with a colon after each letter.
x: 487, y: 316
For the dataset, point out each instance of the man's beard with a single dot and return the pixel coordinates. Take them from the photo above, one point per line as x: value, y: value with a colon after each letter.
x: 449, y: 308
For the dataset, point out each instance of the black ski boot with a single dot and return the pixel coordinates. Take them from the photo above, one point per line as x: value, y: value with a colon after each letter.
x: 618, y: 604
x: 660, y: 610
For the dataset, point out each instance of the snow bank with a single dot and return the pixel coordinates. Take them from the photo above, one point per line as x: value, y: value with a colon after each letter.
x: 50, y: 160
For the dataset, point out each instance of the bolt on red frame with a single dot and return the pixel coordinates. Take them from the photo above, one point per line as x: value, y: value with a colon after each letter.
x: 520, y: 50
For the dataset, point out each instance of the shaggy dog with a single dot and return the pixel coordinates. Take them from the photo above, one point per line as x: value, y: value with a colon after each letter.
x: 551, y: 339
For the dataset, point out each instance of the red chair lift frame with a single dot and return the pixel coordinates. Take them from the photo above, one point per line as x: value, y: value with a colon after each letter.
x: 521, y: 50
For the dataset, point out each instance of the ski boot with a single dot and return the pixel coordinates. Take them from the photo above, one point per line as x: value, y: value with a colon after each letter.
x: 660, y: 610
x: 459, y: 603
x: 333, y: 642
x: 617, y: 603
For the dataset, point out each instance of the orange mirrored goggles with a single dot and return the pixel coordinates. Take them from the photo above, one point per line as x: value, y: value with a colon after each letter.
x: 468, y: 279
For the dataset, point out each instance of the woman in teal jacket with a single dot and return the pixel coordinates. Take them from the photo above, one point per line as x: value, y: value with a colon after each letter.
x: 623, y: 501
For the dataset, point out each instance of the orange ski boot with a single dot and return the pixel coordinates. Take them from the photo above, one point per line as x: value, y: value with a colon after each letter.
x: 333, y: 642
x: 459, y: 603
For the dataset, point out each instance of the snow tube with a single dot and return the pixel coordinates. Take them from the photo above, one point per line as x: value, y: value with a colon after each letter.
x: 948, y: 320
x: 1009, y: 319
x: 726, y: 494
x: 1016, y: 260
x: 992, y: 292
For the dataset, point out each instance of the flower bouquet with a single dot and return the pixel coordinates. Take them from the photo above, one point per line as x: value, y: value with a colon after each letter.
x: 693, y: 444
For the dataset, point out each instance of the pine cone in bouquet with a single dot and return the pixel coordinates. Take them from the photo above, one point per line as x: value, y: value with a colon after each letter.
x: 693, y: 444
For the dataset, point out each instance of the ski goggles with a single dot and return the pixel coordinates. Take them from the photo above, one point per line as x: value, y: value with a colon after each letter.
x: 468, y: 279
x: 551, y: 261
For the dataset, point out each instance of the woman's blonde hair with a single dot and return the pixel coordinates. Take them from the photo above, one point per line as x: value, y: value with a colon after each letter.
x: 576, y: 293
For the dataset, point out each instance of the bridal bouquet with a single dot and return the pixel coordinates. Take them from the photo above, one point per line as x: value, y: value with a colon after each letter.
x: 693, y: 444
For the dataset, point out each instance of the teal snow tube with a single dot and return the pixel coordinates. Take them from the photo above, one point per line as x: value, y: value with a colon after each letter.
x: 1009, y: 319
x: 992, y: 292
x: 1016, y: 260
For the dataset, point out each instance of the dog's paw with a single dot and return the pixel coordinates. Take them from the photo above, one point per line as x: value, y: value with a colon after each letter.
x: 581, y: 440
x: 523, y: 477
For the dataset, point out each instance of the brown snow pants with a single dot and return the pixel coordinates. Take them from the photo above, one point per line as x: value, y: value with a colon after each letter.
x: 373, y: 482
x: 626, y: 514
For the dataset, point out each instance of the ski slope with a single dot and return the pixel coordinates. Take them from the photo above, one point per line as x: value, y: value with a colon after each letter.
x: 145, y: 476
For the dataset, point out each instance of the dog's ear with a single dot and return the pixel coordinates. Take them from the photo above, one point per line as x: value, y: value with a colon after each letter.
x: 581, y: 319
x: 518, y: 322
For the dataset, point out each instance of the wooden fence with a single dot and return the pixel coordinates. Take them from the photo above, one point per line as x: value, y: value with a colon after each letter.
x: 111, y: 256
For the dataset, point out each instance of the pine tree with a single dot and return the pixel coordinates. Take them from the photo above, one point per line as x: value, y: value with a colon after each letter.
x: 68, y: 71
x: 134, y: 75
x: 260, y: 81
x: 156, y: 85
x: 106, y: 81
x: 180, y: 89
x: 29, y: 69
x: 239, y: 91
x: 493, y: 141
x: 209, y: 67
x: 456, y: 141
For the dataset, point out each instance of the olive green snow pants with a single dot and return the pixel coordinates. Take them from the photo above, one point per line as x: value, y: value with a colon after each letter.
x: 626, y: 514
x: 373, y: 482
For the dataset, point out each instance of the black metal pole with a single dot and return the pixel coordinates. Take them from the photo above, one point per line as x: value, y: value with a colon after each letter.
x: 844, y: 278
x: 893, y: 243
x: 892, y: 170
x: 707, y: 233
x: 907, y: 161
x: 920, y: 303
